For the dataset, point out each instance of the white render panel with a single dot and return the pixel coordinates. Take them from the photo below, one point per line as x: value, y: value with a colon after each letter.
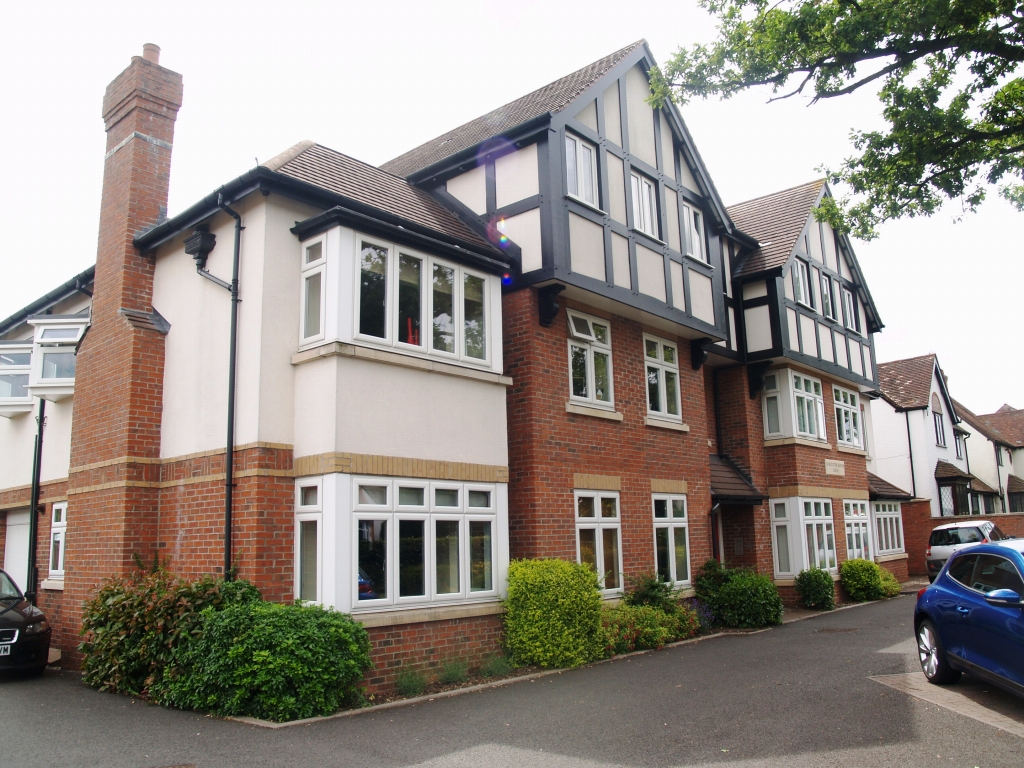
x: 640, y: 116
x: 516, y: 176
x: 316, y: 403
x: 687, y: 179
x: 672, y: 213
x: 754, y: 290
x: 612, y: 118
x: 825, y: 336
x: 759, y: 328
x: 788, y: 285
x: 829, y: 243
x: 855, y: 364
x: 867, y: 362
x: 650, y: 272
x: 889, y: 453
x: 840, y: 345
x: 845, y: 269
x: 616, y: 188
x: 667, y: 147
x: 701, y: 297
x: 524, y: 231
x: 586, y: 247
x: 588, y: 115
x: 863, y: 318
x: 17, y: 439
x: 470, y: 189
x: 794, y: 339
x: 620, y: 261
x: 732, y: 329
x: 675, y: 269
x: 814, y: 236
x: 808, y: 339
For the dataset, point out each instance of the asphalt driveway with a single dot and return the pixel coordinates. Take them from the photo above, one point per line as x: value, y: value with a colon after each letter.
x: 795, y: 695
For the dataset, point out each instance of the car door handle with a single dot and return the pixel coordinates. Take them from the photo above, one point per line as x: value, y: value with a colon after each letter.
x: 961, y: 609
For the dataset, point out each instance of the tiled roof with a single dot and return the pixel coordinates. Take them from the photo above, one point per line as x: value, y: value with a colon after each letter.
x: 976, y: 421
x: 363, y: 183
x: 775, y: 221
x: 1014, y: 484
x: 882, y: 489
x: 552, y: 98
x: 907, y: 384
x: 1006, y: 408
x: 982, y: 487
x: 728, y: 483
x: 1008, y: 424
x: 946, y: 471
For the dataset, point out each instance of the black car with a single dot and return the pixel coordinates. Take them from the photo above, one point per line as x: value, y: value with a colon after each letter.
x: 24, y: 630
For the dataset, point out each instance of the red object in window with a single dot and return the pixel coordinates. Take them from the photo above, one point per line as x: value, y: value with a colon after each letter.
x: 413, y: 335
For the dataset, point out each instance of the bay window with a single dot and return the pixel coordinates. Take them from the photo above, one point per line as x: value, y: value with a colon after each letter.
x: 803, y: 535
x: 645, y: 205
x: 693, y: 228
x: 581, y: 169
x: 661, y: 360
x: 597, y: 536
x: 671, y: 539
x: 54, y: 355
x: 590, y: 360
x: 308, y: 540
x: 858, y: 530
x: 809, y: 406
x: 15, y: 368
x: 888, y: 528
x: 313, y: 268
x: 847, y: 405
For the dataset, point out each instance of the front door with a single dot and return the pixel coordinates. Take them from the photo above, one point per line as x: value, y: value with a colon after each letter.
x: 16, y: 548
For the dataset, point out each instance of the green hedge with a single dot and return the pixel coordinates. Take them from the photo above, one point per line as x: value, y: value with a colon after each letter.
x: 890, y: 584
x: 271, y: 661
x: 642, y: 627
x: 553, y: 614
x: 134, y: 626
x: 816, y: 589
x: 738, y: 598
x: 863, y: 580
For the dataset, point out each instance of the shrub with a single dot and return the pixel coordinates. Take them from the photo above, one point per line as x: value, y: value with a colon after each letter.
x: 890, y: 585
x: 134, y: 627
x: 410, y: 682
x: 749, y: 600
x: 496, y: 666
x: 648, y: 589
x: 553, y: 614
x: 454, y: 671
x: 816, y: 589
x: 705, y: 618
x: 709, y: 580
x: 275, y: 662
x: 641, y: 627
x: 862, y: 579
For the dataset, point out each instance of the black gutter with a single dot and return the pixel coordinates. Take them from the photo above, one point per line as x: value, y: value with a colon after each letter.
x: 910, y: 448
x: 74, y: 285
x: 32, y: 584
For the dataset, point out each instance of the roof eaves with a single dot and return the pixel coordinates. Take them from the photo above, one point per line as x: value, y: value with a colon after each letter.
x: 69, y: 288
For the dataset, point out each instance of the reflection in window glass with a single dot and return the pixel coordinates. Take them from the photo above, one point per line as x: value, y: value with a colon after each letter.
x: 602, y: 377
x: 309, y: 496
x: 671, y: 393
x: 473, y: 317
x: 447, y: 557
x: 782, y: 548
x: 479, y: 498
x: 373, y: 494
x: 373, y: 274
x: 444, y: 308
x: 55, y: 561
x: 314, y: 252
x: 373, y: 551
x: 446, y: 497
x: 661, y: 507
x: 60, y: 333
x: 651, y: 348
x: 661, y: 548
x: 653, y: 389
x: 14, y: 385
x: 601, y: 333
x: 588, y: 547
x: 585, y: 506
x: 682, y: 561
x: 59, y: 365
x: 609, y: 507
x: 772, y: 408
x: 411, y: 558
x: 678, y: 508
x: 579, y: 371
x: 307, y: 559
x: 15, y: 358
x: 409, y: 299
x: 480, y: 558
x: 410, y: 497
x: 611, y: 557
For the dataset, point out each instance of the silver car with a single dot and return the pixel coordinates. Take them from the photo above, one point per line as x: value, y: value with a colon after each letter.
x: 947, y: 539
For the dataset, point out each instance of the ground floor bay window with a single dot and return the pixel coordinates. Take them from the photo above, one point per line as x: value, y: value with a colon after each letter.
x: 382, y: 543
x: 803, y: 536
x: 858, y: 530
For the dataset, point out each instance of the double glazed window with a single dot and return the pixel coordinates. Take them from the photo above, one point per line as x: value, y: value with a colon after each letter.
x: 662, y: 366
x: 858, y: 530
x: 581, y: 169
x: 15, y: 365
x: 772, y: 404
x: 590, y: 360
x: 809, y: 406
x: 850, y: 310
x: 819, y: 537
x: 58, y: 539
x: 802, y: 283
x: 421, y: 542
x: 888, y: 528
x: 309, y: 540
x: 829, y: 298
x: 940, y: 429
x: 57, y: 351
x: 803, y: 535
x: 418, y: 302
x: 314, y: 262
x: 597, y: 536
x: 671, y: 542
x: 645, y: 205
x: 848, y: 427
x: 693, y: 228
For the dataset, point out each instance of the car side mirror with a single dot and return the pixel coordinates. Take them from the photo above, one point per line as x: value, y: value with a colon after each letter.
x: 1003, y: 597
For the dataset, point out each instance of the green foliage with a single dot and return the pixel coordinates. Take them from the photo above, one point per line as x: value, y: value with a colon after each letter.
x: 496, y: 666
x: 950, y: 90
x: 890, y: 586
x: 454, y: 671
x: 862, y: 580
x: 642, y: 627
x: 738, y: 598
x: 136, y: 624
x: 553, y: 614
x: 410, y: 682
x: 816, y: 589
x: 648, y: 589
x: 271, y: 661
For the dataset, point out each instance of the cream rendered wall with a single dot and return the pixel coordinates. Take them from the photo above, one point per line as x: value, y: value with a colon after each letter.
x: 675, y: 271
x: 759, y: 328
x: 808, y: 341
x: 588, y: 116
x: 315, y: 406
x: 889, y: 452
x: 524, y: 231
x: 667, y: 148
x: 672, y: 213
x: 586, y: 248
x: 701, y: 297
x: 516, y: 176
x: 687, y: 179
x: 470, y: 188
x: 17, y: 444
x: 982, y: 457
x: 640, y: 116
x: 612, y: 117
x: 620, y: 261
x: 650, y: 272
x: 616, y: 188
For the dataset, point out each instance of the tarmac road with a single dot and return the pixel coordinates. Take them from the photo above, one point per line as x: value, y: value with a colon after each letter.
x: 796, y: 695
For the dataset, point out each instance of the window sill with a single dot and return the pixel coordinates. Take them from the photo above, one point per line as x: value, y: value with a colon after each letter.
x: 393, y: 616
x: 774, y: 442
x: 697, y: 259
x: 338, y: 349
x: 787, y: 581
x: 599, y: 413
x: 52, y: 392
x: 850, y: 449
x: 650, y: 237
x: 890, y: 558
x: 678, y: 426
x: 10, y: 410
x: 585, y: 204
x: 56, y: 585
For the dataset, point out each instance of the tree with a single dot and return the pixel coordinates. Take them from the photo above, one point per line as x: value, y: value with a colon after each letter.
x: 950, y: 91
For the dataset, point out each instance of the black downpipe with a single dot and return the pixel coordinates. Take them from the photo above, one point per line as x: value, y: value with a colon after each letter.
x: 910, y: 448
x: 229, y: 464
x: 33, y: 515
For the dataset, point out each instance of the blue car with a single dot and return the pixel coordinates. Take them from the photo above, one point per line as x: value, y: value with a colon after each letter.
x: 971, y: 618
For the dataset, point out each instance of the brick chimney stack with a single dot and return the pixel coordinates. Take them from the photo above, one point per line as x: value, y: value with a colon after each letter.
x: 119, y: 378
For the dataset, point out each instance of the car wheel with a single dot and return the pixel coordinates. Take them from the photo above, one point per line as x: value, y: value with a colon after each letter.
x: 933, y: 656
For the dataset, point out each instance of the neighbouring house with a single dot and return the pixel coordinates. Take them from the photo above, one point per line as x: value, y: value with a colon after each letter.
x: 990, y: 460
x: 1007, y: 424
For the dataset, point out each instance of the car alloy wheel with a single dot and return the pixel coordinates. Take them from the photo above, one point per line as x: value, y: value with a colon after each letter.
x: 928, y: 650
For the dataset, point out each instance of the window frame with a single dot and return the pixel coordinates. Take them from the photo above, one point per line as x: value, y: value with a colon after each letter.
x: 592, y: 345
x: 597, y: 523
x: 802, y: 284
x: 306, y: 513
x: 308, y: 270
x: 41, y: 346
x: 828, y: 298
x: 58, y: 529
x: 672, y: 523
x: 692, y: 215
x: 850, y: 319
x: 853, y: 410
x: 21, y: 369
x: 645, y: 215
x: 887, y: 526
x: 828, y: 525
x: 578, y: 155
x: 857, y: 521
x: 940, y: 429
x: 958, y: 442
x: 817, y: 398
x: 664, y: 368
x: 772, y: 392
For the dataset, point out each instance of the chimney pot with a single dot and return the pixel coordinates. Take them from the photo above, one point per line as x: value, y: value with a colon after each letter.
x: 151, y: 52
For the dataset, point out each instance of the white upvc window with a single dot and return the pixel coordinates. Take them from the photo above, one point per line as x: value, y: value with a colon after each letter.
x: 423, y: 542
x: 410, y: 301
x: 784, y: 533
x: 818, y: 534
x: 693, y: 229
x: 661, y: 360
x: 313, y: 307
x: 809, y: 407
x: 581, y: 169
x: 829, y: 298
x: 772, y: 405
x: 15, y: 369
x: 940, y: 429
x: 888, y: 528
x: 858, y: 530
x: 598, y: 536
x: 671, y: 539
x: 958, y: 439
x: 802, y: 283
x: 58, y: 539
x: 309, y: 543
x: 590, y: 360
x: 803, y: 535
x: 849, y: 310
x: 54, y: 355
x: 645, y: 205
x: 848, y: 422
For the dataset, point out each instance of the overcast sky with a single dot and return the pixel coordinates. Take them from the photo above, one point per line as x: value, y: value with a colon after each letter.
x: 373, y: 80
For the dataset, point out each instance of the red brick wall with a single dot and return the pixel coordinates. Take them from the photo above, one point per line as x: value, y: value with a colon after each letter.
x: 917, y: 527
x: 547, y: 445
x: 897, y: 568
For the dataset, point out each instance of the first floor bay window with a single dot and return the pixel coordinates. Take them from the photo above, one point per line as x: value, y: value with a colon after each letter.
x: 597, y: 535
x: 590, y: 360
x: 671, y: 544
x: 803, y: 535
x: 847, y: 406
x: 809, y: 406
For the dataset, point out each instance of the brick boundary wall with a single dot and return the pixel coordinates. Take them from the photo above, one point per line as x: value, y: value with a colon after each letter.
x: 918, y: 524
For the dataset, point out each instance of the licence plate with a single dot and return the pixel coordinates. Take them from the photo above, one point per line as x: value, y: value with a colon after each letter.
x: 5, y: 650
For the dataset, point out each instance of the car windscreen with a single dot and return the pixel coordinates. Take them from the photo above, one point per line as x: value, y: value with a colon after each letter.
x: 8, y: 590
x: 948, y: 537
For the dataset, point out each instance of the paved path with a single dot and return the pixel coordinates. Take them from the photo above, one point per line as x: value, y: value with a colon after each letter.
x: 797, y: 695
